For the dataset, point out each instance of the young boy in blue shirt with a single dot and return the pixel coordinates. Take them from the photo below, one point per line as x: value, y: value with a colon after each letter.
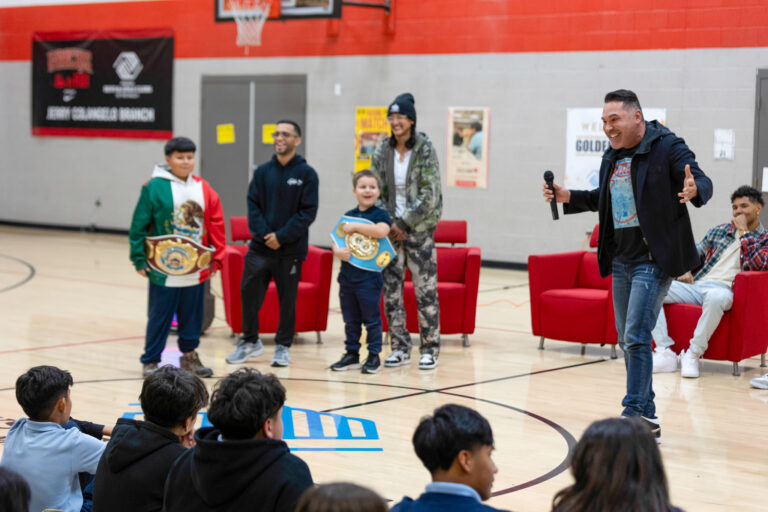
x: 360, y: 290
x: 43, y: 449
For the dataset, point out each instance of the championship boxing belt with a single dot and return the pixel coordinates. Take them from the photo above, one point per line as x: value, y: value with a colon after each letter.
x: 177, y: 255
x: 367, y: 253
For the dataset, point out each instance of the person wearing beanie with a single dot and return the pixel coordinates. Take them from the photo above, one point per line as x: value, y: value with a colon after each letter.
x: 407, y: 167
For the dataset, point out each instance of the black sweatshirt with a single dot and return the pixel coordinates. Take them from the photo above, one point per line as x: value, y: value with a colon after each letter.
x: 283, y: 200
x: 246, y: 476
x: 132, y: 471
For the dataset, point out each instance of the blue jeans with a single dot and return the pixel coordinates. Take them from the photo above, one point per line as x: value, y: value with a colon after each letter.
x: 638, y: 292
x: 360, y: 305
x: 187, y: 304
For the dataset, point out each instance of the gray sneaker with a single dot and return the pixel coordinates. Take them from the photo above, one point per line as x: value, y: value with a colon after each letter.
x: 281, y: 357
x: 245, y: 351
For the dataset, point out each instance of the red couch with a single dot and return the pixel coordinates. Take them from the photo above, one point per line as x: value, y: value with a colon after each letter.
x: 458, y: 277
x: 743, y: 331
x: 313, y: 295
x: 569, y: 299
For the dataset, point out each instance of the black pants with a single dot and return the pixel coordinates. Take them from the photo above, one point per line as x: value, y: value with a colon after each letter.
x: 257, y: 273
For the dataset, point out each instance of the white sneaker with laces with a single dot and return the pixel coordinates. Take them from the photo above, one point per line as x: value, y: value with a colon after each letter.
x: 398, y: 358
x: 664, y: 360
x: 760, y: 382
x: 427, y: 362
x: 689, y: 364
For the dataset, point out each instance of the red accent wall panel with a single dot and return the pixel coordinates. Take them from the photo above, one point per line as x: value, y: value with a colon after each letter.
x: 421, y: 27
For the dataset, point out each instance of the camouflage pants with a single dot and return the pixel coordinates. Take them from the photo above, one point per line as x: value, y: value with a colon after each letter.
x: 418, y: 254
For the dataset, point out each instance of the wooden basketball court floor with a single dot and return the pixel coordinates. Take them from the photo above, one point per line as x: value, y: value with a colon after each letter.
x: 72, y: 300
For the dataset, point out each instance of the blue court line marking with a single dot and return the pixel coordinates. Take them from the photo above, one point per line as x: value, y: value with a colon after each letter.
x: 337, y: 449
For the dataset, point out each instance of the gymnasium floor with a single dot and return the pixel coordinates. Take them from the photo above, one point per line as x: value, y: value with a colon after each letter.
x: 72, y: 300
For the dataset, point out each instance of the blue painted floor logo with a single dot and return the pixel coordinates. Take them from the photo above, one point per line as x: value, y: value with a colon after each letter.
x: 323, y: 428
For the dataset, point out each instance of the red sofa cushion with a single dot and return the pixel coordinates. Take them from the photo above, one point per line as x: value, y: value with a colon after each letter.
x: 574, y: 314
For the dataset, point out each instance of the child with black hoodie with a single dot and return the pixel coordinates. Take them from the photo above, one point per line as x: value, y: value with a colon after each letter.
x: 132, y: 471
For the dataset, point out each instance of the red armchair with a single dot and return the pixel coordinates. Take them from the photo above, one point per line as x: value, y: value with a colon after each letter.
x: 458, y: 277
x: 743, y: 331
x: 313, y: 295
x: 569, y: 299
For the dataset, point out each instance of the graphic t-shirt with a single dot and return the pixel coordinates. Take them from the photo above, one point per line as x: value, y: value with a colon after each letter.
x: 375, y: 215
x: 630, y: 243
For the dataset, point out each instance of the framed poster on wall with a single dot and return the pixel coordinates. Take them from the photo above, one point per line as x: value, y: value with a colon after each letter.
x: 468, y: 135
x: 103, y: 84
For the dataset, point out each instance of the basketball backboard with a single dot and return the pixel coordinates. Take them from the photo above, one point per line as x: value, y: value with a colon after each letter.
x: 286, y: 9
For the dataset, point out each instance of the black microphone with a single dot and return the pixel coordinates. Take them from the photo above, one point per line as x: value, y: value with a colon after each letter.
x: 549, y: 178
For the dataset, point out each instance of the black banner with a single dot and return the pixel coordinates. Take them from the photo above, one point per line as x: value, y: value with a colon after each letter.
x: 103, y: 84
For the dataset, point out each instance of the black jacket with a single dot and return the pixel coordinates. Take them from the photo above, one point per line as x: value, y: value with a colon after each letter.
x: 236, y: 476
x: 282, y: 200
x: 132, y: 471
x: 659, y: 167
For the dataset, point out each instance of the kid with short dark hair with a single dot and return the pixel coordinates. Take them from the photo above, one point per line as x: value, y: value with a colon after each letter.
x: 241, y: 462
x: 455, y: 446
x: 175, y: 202
x: 42, y: 448
x: 360, y: 290
x: 132, y: 472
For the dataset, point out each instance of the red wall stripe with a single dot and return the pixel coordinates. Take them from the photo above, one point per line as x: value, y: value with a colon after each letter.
x: 421, y: 27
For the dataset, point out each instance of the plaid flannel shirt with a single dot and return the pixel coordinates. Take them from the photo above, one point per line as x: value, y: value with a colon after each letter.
x: 754, y: 248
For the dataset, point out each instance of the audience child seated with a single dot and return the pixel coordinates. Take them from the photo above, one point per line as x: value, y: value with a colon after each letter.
x: 41, y: 449
x: 341, y: 497
x: 455, y: 446
x: 240, y: 463
x: 617, y: 467
x: 132, y: 472
x: 14, y: 492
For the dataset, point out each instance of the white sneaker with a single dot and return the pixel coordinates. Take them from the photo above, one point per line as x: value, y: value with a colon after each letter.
x: 427, y: 362
x: 398, y: 358
x: 664, y: 360
x: 689, y: 364
x: 760, y: 382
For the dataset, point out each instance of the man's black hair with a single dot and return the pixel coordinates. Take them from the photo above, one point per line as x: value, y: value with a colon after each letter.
x: 477, y: 126
x: 170, y: 395
x: 439, y: 438
x: 38, y: 390
x: 295, y: 125
x: 180, y: 144
x: 365, y: 173
x: 243, y: 401
x: 750, y: 193
x: 625, y: 96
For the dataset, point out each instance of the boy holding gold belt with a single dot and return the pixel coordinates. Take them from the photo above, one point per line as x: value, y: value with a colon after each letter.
x: 177, y: 239
x: 360, y: 288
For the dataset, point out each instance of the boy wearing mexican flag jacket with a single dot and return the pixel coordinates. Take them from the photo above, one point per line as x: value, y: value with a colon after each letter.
x: 173, y: 202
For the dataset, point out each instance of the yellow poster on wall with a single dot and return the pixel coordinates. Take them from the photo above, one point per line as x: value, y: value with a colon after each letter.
x: 371, y: 126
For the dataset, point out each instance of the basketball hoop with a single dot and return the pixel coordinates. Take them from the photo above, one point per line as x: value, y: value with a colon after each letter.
x: 250, y: 16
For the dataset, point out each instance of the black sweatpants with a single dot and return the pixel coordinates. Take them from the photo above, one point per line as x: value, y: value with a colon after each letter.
x: 257, y: 273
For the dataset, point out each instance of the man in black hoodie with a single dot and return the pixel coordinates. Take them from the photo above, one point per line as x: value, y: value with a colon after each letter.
x: 240, y: 464
x: 132, y: 471
x: 282, y: 203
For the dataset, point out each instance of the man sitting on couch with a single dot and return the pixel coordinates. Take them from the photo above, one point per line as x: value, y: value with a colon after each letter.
x: 727, y: 249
